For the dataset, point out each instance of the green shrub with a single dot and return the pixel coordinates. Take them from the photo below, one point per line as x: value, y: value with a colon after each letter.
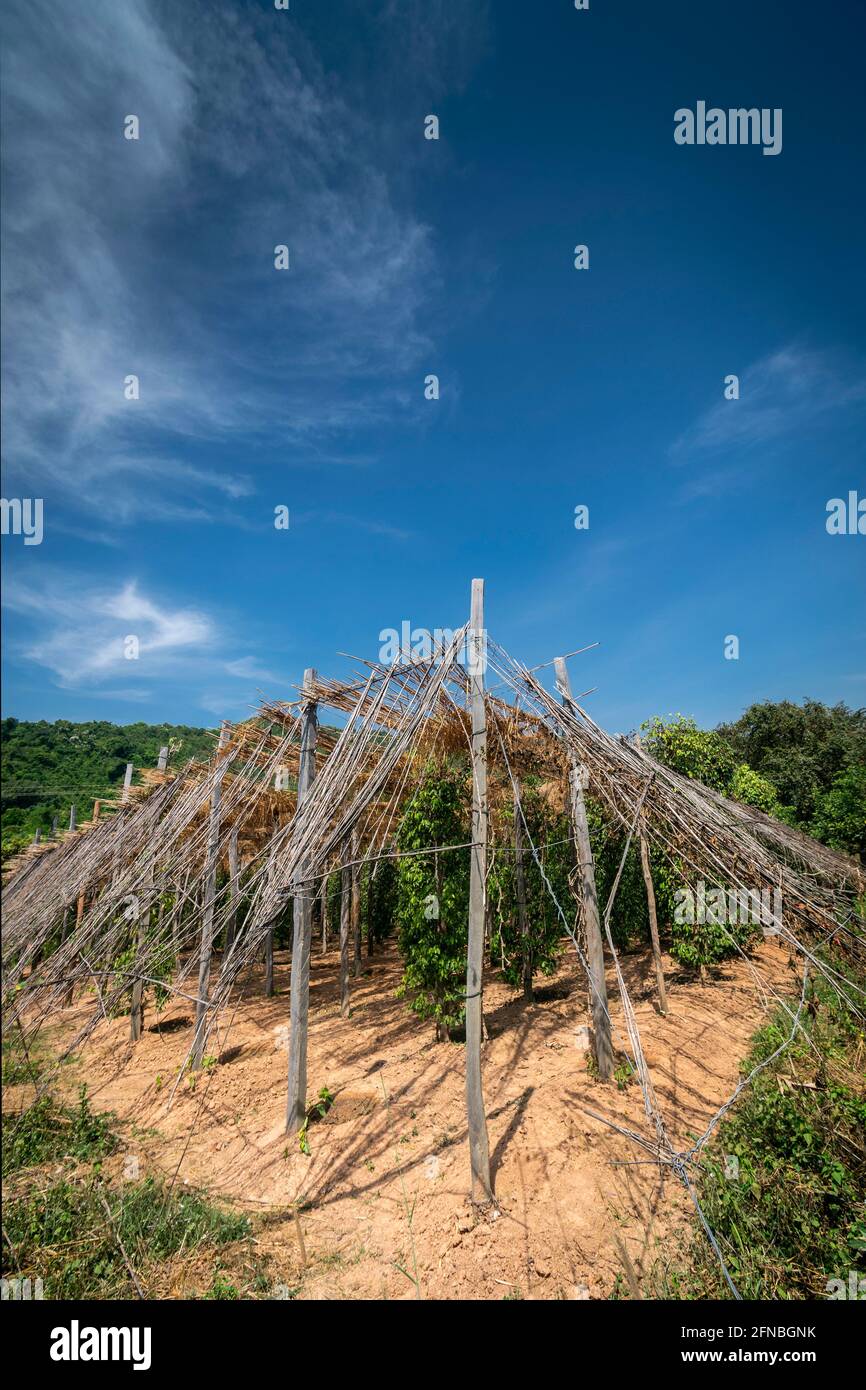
x: 49, y: 1131
x: 784, y: 1183
x: 433, y: 902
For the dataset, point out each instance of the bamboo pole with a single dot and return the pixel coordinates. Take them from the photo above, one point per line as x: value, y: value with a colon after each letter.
x: 206, y: 938
x: 651, y: 908
x: 345, y: 923
x: 234, y: 887
x: 356, y: 907
x: 592, y: 923
x: 296, y: 1099
x: 520, y: 885
x: 479, y: 1149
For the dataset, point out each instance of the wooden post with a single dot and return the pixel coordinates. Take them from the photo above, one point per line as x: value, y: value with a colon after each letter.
x: 479, y: 1150
x: 206, y: 937
x: 127, y: 783
x: 79, y: 906
x: 269, y: 964
x: 296, y: 1100
x: 234, y: 887
x: 651, y: 907
x: 592, y: 923
x: 54, y: 828
x: 268, y: 955
x: 522, y: 914
x: 345, y: 922
x: 356, y: 907
x: 162, y: 759
x: 37, y: 836
x: 136, y: 1011
x: 323, y: 913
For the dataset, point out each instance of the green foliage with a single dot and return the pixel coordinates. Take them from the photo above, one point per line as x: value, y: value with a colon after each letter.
x: 549, y: 833
x: 752, y: 789
x: 222, y: 1288
x: 778, y: 757
x: 379, y: 899
x: 696, y: 943
x: 629, y: 921
x: 699, y: 753
x: 317, y: 1111
x: 840, y: 813
x: 48, y: 766
x: 20, y: 1064
x: 49, y: 1131
x: 63, y: 1234
x: 433, y: 903
x: 789, y: 1214
x: 801, y: 749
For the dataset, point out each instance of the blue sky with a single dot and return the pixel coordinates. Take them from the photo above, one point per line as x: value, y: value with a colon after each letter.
x: 305, y: 388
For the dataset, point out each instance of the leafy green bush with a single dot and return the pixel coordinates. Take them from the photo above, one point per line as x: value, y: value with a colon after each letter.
x: 840, y: 813
x: 433, y: 902
x: 699, y: 753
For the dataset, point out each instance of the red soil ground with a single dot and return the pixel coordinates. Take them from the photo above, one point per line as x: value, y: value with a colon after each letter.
x: 386, y: 1181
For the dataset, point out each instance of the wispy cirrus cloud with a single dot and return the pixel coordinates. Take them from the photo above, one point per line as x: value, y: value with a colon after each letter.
x: 155, y: 257
x: 782, y: 396
x: 79, y: 629
x: 80, y: 632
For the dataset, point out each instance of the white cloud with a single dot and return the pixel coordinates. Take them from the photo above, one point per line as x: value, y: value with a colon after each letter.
x: 78, y: 632
x: 155, y: 257
x: 247, y: 668
x: 781, y: 395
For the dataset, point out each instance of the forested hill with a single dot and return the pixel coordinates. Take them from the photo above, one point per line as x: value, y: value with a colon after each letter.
x: 48, y: 767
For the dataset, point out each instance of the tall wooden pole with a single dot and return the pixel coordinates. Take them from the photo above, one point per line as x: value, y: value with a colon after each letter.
x: 345, y: 923
x: 520, y: 885
x: 296, y: 1100
x: 234, y: 887
x: 651, y: 908
x: 206, y: 938
x: 127, y: 783
x: 356, y: 907
x: 162, y: 759
x: 79, y: 907
x: 136, y: 1011
x: 592, y: 923
x: 479, y: 1149
x: 323, y: 912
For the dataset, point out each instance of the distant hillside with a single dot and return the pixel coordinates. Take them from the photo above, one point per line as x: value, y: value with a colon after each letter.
x: 48, y: 767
